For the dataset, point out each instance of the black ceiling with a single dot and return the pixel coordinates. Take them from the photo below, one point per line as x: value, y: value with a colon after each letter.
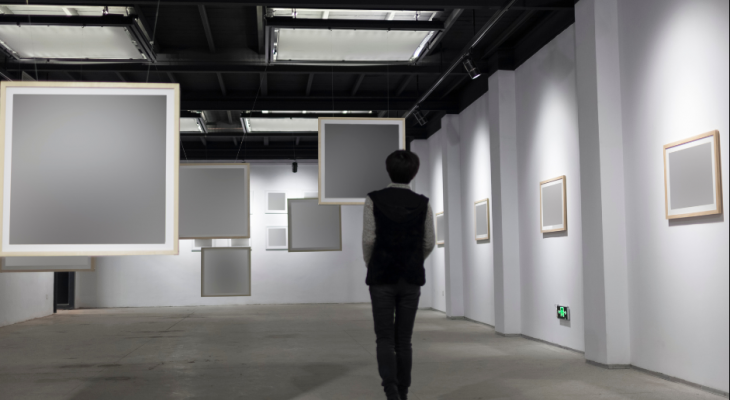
x: 216, y: 51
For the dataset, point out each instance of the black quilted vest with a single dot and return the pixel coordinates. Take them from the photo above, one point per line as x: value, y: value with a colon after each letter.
x: 400, y: 216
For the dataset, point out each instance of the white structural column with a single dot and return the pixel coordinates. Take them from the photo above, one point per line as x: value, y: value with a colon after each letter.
x: 452, y: 210
x: 505, y: 215
x: 605, y: 271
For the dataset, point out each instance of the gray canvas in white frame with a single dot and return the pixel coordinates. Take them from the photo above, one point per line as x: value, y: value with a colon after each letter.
x: 276, y: 238
x: 96, y: 199
x: 46, y: 264
x: 352, y: 153
x: 440, y: 228
x: 275, y: 202
x: 314, y: 227
x: 481, y: 222
x: 214, y: 201
x: 225, y: 271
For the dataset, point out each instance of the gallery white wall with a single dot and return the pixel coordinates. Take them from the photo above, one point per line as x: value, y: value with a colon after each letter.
x: 674, y: 73
x: 434, y: 170
x: 277, y: 276
x: 421, y: 184
x: 24, y: 296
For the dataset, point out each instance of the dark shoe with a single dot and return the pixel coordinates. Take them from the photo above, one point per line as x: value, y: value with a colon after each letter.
x: 392, y: 393
x: 403, y: 395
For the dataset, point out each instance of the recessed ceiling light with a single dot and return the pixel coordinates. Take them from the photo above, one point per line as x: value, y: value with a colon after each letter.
x: 255, y: 125
x: 192, y: 125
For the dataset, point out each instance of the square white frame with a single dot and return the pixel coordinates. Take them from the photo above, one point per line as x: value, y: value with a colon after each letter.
x: 244, y: 166
x: 266, y: 200
x: 172, y: 157
x: 436, y: 227
x: 323, y: 121
x: 712, y: 137
x: 487, y: 236
x: 202, y: 271
x: 47, y: 265
x: 286, y: 237
x: 564, y: 226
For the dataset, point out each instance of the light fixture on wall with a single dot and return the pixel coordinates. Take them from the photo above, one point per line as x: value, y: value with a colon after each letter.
x: 470, y: 68
x: 419, y: 118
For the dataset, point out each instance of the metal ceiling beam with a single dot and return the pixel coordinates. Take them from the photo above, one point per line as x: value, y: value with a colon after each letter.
x: 106, y: 20
x: 310, y: 79
x: 206, y: 27
x: 171, y: 77
x: 222, y: 84
x: 450, y: 21
x: 264, y: 84
x: 365, y: 24
x: 191, y: 101
x: 403, y: 85
x: 120, y: 76
x: 507, y: 33
x: 260, y: 34
x: 357, y: 84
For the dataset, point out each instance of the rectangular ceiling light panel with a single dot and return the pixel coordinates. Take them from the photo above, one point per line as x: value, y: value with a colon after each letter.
x: 348, y: 45
x: 282, y: 124
x: 315, y: 13
x: 191, y: 125
x: 69, y: 42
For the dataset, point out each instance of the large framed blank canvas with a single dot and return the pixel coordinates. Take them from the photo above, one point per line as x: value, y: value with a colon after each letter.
x: 352, y: 153
x: 89, y: 169
x: 275, y: 202
x: 314, y: 227
x: 276, y: 238
x: 214, y: 201
x: 692, y: 176
x: 225, y: 271
x: 440, y: 228
x: 481, y: 219
x: 553, y: 205
x: 47, y: 264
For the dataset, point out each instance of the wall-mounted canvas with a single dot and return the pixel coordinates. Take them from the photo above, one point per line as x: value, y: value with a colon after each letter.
x: 440, y: 228
x: 692, y: 177
x: 352, y: 153
x: 481, y: 219
x: 276, y: 238
x: 89, y: 169
x: 47, y: 264
x: 275, y: 202
x: 214, y: 201
x: 313, y: 226
x: 553, y: 205
x: 225, y: 271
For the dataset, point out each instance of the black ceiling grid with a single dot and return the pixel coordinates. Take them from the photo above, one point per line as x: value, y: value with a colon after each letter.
x: 220, y: 67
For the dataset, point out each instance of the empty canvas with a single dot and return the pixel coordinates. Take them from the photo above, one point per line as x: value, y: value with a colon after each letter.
x: 481, y: 223
x: 46, y: 264
x: 113, y: 190
x: 352, y: 157
x: 214, y: 201
x: 692, y: 177
x: 275, y: 202
x: 552, y: 205
x: 276, y: 238
x: 226, y: 271
x: 314, y: 227
x: 440, y: 228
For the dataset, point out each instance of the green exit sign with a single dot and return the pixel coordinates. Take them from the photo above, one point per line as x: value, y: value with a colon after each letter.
x: 563, y: 312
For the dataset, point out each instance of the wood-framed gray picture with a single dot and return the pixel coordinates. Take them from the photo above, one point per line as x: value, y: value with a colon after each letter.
x: 481, y: 220
x: 225, y: 271
x: 114, y: 190
x: 215, y: 201
x: 47, y: 264
x: 275, y: 202
x: 440, y: 228
x: 692, y: 176
x: 277, y: 238
x: 352, y: 153
x: 313, y: 226
x: 553, y: 205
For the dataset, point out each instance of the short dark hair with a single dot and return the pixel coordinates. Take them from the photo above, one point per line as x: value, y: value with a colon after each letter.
x: 402, y: 166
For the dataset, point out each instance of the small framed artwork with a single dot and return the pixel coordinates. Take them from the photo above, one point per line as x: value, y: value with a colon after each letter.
x: 47, y: 264
x: 314, y: 227
x: 275, y: 202
x: 481, y: 220
x: 225, y: 272
x: 692, y: 177
x: 553, y: 205
x: 440, y: 228
x: 276, y: 238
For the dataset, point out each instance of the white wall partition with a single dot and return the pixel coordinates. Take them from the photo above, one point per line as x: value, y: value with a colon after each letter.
x: 25, y: 296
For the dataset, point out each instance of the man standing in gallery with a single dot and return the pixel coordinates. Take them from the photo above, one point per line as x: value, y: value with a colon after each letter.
x: 398, y: 235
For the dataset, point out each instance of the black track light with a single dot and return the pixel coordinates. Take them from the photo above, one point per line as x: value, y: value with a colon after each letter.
x: 470, y: 68
x: 294, y: 167
x: 419, y: 118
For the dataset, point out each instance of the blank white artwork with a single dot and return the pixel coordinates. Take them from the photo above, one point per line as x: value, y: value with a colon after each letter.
x: 275, y: 202
x: 352, y: 153
x: 440, y: 228
x: 692, y: 183
x: 481, y: 219
x: 46, y: 264
x: 214, y: 201
x: 225, y: 271
x: 276, y: 238
x: 553, y: 205
x: 314, y: 227
x: 95, y: 200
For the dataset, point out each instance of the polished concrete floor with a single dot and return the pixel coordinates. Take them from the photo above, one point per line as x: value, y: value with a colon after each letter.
x: 290, y: 352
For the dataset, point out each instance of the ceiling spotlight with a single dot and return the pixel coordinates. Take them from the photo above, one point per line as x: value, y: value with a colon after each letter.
x: 294, y: 167
x: 470, y: 68
x: 419, y: 118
